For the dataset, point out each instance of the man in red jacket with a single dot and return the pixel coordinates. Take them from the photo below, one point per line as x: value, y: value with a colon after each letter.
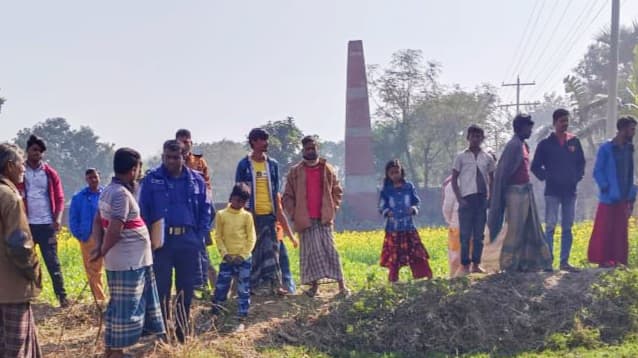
x: 44, y: 202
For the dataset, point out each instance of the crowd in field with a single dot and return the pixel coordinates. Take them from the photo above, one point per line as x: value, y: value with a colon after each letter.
x: 147, y: 231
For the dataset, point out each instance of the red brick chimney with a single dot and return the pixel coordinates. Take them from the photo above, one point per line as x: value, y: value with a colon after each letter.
x: 361, y: 180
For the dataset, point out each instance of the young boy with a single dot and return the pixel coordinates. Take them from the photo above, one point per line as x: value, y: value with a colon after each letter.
x: 235, y: 237
x: 471, y: 180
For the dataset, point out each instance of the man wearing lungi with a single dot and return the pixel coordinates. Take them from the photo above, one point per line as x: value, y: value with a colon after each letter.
x: 614, y: 174
x: 21, y: 278
x: 524, y: 247
x: 176, y: 194
x: 261, y: 173
x: 124, y: 242
x: 311, y: 199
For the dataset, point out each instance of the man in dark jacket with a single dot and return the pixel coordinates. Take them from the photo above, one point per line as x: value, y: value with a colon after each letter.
x: 84, y: 205
x: 560, y: 162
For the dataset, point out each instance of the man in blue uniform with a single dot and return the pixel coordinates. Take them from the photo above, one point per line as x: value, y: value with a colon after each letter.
x: 177, y: 195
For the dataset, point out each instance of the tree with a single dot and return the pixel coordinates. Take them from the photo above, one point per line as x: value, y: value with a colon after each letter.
x: 335, y: 153
x: 593, y: 71
x: 71, y: 151
x: 284, y: 143
x: 222, y: 158
x: 399, y: 89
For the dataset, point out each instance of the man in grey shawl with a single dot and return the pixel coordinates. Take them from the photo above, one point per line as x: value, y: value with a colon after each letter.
x: 524, y: 248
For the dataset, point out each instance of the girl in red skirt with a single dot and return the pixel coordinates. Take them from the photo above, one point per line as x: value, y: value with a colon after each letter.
x: 402, y: 246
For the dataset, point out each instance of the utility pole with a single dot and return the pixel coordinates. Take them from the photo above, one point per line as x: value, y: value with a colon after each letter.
x: 612, y: 105
x: 518, y: 103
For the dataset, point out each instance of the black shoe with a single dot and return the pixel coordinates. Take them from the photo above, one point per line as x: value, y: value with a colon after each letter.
x: 64, y: 302
x: 569, y: 268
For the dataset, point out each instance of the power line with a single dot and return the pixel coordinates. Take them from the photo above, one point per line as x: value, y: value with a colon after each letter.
x: 573, y: 39
x: 520, y: 43
x: 549, y: 42
x: 539, y: 38
x: 520, y: 58
x: 518, y: 85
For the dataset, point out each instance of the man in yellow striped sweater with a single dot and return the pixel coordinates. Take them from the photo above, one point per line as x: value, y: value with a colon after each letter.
x: 235, y: 237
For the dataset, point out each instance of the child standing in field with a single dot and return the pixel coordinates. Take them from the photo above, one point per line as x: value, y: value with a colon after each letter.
x: 402, y: 245
x: 235, y: 238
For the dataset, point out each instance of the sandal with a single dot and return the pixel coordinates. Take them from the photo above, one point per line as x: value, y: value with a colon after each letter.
x: 312, y: 292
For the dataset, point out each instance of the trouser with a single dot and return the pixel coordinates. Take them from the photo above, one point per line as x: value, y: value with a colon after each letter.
x: 185, y: 261
x: 242, y: 273
x: 286, y: 274
x: 44, y: 236
x: 568, y: 208
x: 93, y: 269
x: 472, y: 218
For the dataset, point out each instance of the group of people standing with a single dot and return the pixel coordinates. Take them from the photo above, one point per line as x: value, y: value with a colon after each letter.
x: 479, y: 192
x: 146, y: 230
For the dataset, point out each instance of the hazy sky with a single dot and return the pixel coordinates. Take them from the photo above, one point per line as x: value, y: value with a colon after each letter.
x: 135, y: 71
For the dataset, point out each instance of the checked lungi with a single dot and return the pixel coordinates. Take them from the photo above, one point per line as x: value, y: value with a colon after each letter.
x: 318, y: 256
x: 134, y: 307
x: 266, y: 269
x: 18, y: 336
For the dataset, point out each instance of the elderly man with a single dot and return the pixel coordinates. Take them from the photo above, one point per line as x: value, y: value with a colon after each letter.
x: 311, y: 199
x: 524, y: 248
x: 19, y: 266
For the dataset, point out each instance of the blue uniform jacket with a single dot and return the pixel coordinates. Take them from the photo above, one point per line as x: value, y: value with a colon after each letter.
x: 245, y: 174
x: 83, y: 208
x: 400, y: 201
x: 606, y: 176
x: 154, y: 204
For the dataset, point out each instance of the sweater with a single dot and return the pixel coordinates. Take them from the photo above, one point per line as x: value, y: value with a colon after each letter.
x: 235, y: 232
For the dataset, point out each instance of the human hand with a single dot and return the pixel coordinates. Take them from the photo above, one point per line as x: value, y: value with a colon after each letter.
x: 96, y: 253
x: 228, y: 259
x: 57, y: 226
x: 463, y: 203
x: 237, y: 260
x: 295, y: 242
x: 389, y: 214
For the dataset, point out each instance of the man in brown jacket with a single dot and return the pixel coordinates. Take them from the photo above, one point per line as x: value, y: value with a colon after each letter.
x: 311, y: 199
x: 20, y: 275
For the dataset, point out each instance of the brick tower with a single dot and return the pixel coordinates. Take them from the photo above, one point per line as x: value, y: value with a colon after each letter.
x: 361, y: 183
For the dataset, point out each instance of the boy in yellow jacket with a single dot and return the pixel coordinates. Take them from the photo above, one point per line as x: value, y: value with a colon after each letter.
x: 235, y: 238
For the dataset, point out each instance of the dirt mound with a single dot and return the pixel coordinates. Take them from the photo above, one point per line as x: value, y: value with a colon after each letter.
x: 502, y: 313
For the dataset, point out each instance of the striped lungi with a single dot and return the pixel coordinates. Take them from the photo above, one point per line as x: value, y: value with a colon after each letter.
x: 266, y: 270
x: 134, y: 307
x: 524, y: 247
x: 18, y: 336
x: 318, y: 256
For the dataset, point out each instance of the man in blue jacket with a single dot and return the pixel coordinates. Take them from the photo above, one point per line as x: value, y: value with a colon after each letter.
x: 614, y: 174
x: 177, y: 195
x: 261, y: 174
x: 84, y: 205
x: 559, y: 160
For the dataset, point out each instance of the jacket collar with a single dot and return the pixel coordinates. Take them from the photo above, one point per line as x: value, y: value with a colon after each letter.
x: 8, y: 182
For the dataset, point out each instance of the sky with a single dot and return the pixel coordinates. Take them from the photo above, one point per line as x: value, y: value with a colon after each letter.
x: 135, y: 71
